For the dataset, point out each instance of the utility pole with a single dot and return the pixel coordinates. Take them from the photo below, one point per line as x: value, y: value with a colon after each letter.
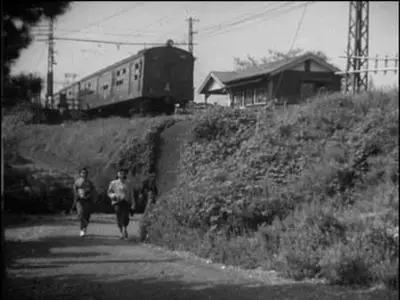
x: 191, y: 33
x: 190, y: 36
x: 357, y: 47
x: 50, y: 64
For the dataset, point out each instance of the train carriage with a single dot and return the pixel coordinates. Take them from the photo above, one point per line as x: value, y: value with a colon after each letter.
x: 153, y: 80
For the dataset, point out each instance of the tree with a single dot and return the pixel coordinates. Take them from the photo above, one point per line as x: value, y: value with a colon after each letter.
x: 18, y: 20
x: 273, y: 55
x: 21, y: 88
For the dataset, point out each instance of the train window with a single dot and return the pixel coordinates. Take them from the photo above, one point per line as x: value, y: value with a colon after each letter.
x: 136, y: 76
x: 136, y: 66
x: 118, y: 72
x: 119, y: 82
x: 123, y: 71
x: 105, y: 87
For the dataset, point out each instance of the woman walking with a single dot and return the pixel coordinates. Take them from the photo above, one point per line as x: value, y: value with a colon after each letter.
x: 84, y: 193
x: 121, y: 195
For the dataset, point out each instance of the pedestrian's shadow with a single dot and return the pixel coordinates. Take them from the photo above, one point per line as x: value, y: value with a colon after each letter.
x: 61, y: 247
x: 112, y: 239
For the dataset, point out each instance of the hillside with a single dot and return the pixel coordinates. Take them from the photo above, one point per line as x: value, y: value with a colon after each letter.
x: 100, y: 145
x: 310, y: 191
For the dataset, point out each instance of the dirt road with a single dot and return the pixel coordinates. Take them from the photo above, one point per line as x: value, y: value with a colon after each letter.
x: 48, y: 260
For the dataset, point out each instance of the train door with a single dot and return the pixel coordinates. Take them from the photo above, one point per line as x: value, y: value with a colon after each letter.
x: 136, y: 71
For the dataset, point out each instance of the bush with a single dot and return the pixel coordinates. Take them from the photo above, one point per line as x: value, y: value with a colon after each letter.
x: 104, y: 145
x: 302, y: 176
x: 309, y: 190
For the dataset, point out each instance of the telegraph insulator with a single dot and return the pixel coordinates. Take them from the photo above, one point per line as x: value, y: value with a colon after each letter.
x: 376, y: 64
x: 170, y: 43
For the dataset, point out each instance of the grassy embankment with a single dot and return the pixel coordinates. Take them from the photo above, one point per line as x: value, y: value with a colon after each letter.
x: 310, y: 191
x: 100, y: 145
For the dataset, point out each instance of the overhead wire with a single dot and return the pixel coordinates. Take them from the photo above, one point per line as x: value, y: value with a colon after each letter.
x: 226, y: 22
x: 118, y: 13
x: 291, y: 47
x: 243, y: 19
x: 264, y: 18
x: 113, y: 34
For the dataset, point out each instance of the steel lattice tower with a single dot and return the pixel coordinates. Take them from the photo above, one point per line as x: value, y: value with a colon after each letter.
x: 357, y: 47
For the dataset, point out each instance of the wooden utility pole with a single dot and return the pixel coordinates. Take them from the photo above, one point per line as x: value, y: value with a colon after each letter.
x: 191, y: 33
x: 50, y: 64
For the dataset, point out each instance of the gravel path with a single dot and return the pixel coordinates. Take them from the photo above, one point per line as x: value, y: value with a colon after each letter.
x: 47, y: 260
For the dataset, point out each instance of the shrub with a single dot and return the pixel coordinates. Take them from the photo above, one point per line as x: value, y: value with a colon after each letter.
x: 308, y: 190
x: 299, y: 175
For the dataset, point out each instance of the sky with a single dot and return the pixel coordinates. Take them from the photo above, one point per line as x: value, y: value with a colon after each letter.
x: 224, y: 30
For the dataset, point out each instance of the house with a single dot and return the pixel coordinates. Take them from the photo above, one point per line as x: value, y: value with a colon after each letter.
x: 289, y: 81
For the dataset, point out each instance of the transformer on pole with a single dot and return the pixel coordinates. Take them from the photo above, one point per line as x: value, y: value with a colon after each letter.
x: 357, y: 47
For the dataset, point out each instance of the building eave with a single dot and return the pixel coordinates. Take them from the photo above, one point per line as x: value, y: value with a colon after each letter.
x: 210, y: 76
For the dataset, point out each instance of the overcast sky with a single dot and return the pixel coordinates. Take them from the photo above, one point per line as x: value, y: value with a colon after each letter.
x: 247, y: 28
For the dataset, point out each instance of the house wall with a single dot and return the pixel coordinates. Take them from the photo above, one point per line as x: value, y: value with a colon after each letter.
x: 250, y: 94
x: 290, y: 88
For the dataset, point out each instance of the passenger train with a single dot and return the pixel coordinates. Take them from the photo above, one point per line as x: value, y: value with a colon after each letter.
x: 154, y: 80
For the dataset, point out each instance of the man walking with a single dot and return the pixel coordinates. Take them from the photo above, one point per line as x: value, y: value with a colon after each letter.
x: 121, y: 194
x: 84, y: 193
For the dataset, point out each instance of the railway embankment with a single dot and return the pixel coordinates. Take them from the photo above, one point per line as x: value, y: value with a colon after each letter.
x: 309, y: 191
x: 101, y: 145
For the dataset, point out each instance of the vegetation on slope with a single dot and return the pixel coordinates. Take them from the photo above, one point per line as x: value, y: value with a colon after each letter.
x: 311, y: 191
x: 100, y: 145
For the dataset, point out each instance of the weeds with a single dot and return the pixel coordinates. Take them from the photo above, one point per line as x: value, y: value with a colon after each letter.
x: 288, y: 196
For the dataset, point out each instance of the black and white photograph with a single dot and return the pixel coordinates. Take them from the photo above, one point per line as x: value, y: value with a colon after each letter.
x: 190, y: 150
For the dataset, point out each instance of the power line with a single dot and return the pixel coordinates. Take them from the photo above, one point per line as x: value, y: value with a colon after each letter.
x: 291, y: 48
x: 264, y: 18
x: 298, y: 28
x: 118, y: 13
x: 111, y: 34
x: 43, y: 52
x: 251, y: 17
x: 111, y: 42
x: 210, y: 28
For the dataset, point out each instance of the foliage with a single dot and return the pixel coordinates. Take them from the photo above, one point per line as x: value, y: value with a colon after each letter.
x: 21, y: 88
x: 104, y: 145
x: 282, y: 189
x: 18, y: 20
x: 309, y: 190
x: 273, y: 55
x: 36, y: 191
